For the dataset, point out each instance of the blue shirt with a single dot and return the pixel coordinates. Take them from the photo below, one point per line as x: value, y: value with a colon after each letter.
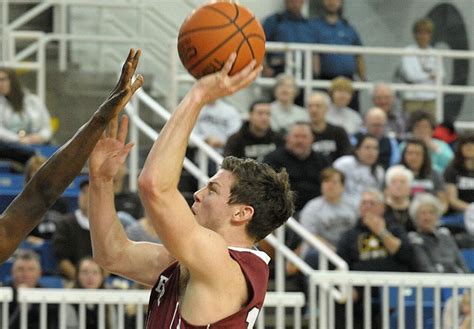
x: 341, y: 33
x: 286, y: 27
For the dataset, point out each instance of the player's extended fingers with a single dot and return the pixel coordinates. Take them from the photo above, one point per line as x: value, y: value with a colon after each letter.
x: 137, y: 83
x: 136, y: 59
x: 124, y: 152
x: 228, y: 64
x: 242, y: 74
x: 126, y: 68
x: 112, y: 128
x: 123, y: 130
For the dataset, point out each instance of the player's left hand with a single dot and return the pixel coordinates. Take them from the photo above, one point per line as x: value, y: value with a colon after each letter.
x: 217, y: 85
x: 110, y: 152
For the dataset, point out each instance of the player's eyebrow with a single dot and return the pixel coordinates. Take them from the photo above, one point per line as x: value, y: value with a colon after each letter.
x: 214, y: 185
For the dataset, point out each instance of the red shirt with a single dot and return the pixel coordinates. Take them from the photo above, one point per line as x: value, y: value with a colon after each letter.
x: 163, y: 308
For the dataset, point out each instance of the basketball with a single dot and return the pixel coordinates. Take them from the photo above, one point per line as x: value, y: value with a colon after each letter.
x: 214, y: 31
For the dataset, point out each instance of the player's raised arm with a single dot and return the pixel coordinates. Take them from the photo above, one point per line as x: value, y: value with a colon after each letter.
x: 158, y: 182
x: 112, y: 250
x: 27, y: 210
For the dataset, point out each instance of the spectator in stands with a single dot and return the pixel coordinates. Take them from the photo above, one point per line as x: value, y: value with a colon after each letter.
x: 331, y: 28
x: 329, y: 215
x: 398, y: 180
x: 90, y: 276
x: 26, y: 272
x: 435, y: 248
x: 330, y: 141
x: 255, y: 139
x: 420, y: 69
x: 23, y: 116
x: 301, y: 162
x: 415, y: 157
x: 361, y: 169
x: 216, y: 122
x: 26, y: 211
x: 384, y: 98
x: 459, y: 175
x: 72, y: 241
x: 284, y: 110
x: 372, y: 245
x: 421, y: 126
x: 339, y: 113
x: 142, y: 230
x: 287, y: 26
x: 126, y: 202
x: 375, y: 123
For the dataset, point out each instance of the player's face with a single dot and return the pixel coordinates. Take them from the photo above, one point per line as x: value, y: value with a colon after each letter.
x: 211, y: 207
x: 90, y: 275
x: 4, y: 83
x: 26, y: 273
x: 317, y: 109
x: 426, y: 218
x: 259, y: 118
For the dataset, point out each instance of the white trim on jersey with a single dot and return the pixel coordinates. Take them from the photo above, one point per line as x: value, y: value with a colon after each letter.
x: 258, y: 253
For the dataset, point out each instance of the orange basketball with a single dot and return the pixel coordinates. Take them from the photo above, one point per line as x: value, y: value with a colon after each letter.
x: 212, y: 32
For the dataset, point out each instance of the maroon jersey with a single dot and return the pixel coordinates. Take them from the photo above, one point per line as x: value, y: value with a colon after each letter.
x: 163, y: 308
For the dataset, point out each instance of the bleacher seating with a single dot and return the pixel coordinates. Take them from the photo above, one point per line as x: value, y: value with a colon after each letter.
x: 468, y: 255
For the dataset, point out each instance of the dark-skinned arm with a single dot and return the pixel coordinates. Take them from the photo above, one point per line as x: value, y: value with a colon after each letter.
x: 49, y: 183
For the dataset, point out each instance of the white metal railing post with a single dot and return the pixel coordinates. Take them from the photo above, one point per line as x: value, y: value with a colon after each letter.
x: 173, y: 78
x: 63, y: 10
x: 280, y: 275
x: 134, y: 112
x: 41, y: 78
x: 5, y: 37
x: 308, y: 75
x: 312, y: 303
x: 439, y: 92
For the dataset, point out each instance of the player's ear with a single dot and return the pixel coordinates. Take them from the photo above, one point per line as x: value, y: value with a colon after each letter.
x: 243, y: 213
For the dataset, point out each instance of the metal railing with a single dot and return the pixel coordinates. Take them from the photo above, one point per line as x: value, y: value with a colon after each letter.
x: 406, y: 300
x: 118, y: 299
x: 299, y: 62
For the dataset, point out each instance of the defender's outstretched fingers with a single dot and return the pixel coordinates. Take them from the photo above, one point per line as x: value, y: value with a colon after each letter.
x: 131, y: 67
x: 137, y: 83
x: 123, y: 130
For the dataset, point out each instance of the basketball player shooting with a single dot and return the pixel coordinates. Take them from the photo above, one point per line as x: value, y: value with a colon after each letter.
x: 206, y: 273
x: 26, y: 211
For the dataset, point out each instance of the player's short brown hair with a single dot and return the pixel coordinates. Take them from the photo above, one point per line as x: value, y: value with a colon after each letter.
x: 267, y: 191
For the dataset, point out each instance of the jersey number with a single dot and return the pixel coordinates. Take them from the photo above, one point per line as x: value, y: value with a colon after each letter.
x: 252, y: 317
